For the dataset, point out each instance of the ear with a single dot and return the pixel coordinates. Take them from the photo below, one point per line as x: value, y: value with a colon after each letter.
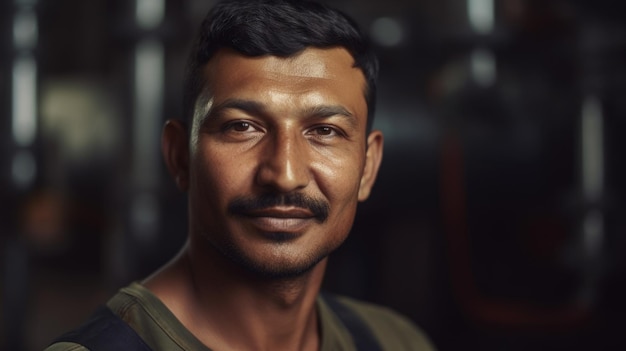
x: 373, y: 157
x: 175, y: 149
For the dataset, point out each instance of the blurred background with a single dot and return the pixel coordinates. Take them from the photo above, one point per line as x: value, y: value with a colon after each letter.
x: 498, y: 219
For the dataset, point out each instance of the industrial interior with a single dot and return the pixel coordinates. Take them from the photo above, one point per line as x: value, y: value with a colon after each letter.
x: 498, y: 221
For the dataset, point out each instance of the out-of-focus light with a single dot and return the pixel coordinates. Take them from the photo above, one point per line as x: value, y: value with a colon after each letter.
x: 592, y: 153
x: 592, y: 174
x: 387, y: 31
x: 24, y: 168
x: 481, y: 15
x: 148, y: 96
x: 483, y: 67
x: 149, y: 81
x: 82, y: 117
x: 25, y: 30
x: 149, y: 13
x: 24, y: 114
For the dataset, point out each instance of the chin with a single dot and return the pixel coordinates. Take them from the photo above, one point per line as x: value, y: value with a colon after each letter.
x: 281, y: 271
x: 277, y: 262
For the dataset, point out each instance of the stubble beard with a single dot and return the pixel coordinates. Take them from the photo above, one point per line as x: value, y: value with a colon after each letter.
x: 284, y: 265
x: 273, y: 269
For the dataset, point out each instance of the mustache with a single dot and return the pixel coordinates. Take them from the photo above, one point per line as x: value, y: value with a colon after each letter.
x: 245, y: 204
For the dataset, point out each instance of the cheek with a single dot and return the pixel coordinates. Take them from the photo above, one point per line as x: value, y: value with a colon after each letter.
x: 339, y: 178
x: 218, y: 176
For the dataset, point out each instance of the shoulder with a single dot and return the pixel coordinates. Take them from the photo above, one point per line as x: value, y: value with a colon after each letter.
x: 104, y: 330
x: 133, y: 319
x: 393, y: 330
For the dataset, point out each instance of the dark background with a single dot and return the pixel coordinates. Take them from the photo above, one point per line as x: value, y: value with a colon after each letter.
x: 497, y: 222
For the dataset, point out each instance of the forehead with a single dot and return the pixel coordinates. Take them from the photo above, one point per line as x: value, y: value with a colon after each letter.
x: 333, y: 62
x: 312, y: 76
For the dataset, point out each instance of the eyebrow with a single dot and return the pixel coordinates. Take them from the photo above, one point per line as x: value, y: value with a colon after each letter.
x: 257, y: 108
x: 249, y: 106
x: 326, y: 111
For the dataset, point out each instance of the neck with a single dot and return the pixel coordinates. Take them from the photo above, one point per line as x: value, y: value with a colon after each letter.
x: 229, y: 308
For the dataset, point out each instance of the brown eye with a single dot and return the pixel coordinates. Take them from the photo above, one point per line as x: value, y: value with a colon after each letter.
x: 241, y: 126
x: 324, y: 131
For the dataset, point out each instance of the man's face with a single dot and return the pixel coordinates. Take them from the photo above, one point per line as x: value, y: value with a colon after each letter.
x: 279, y: 158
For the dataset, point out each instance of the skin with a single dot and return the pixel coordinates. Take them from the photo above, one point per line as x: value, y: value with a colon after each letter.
x: 248, y: 279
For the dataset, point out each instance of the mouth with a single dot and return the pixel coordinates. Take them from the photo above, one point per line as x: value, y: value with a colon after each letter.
x: 280, y: 219
x: 281, y: 212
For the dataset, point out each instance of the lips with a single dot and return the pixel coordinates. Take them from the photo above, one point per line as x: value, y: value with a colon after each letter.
x: 280, y: 219
x: 281, y: 212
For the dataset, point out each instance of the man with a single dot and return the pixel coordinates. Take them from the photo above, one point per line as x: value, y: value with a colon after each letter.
x: 275, y: 153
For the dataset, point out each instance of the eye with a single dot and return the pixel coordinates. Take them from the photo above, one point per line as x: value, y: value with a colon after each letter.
x: 241, y: 130
x: 323, y: 131
x: 240, y: 126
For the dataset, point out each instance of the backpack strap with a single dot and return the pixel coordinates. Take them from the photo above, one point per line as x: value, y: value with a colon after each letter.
x: 362, y: 335
x: 105, y: 331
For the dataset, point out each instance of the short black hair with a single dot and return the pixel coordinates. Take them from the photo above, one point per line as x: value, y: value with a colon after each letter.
x: 280, y: 28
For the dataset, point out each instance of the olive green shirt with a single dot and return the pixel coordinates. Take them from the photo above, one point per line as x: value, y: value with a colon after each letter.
x: 162, y: 331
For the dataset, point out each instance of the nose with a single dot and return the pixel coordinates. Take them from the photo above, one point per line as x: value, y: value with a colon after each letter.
x: 284, y: 165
